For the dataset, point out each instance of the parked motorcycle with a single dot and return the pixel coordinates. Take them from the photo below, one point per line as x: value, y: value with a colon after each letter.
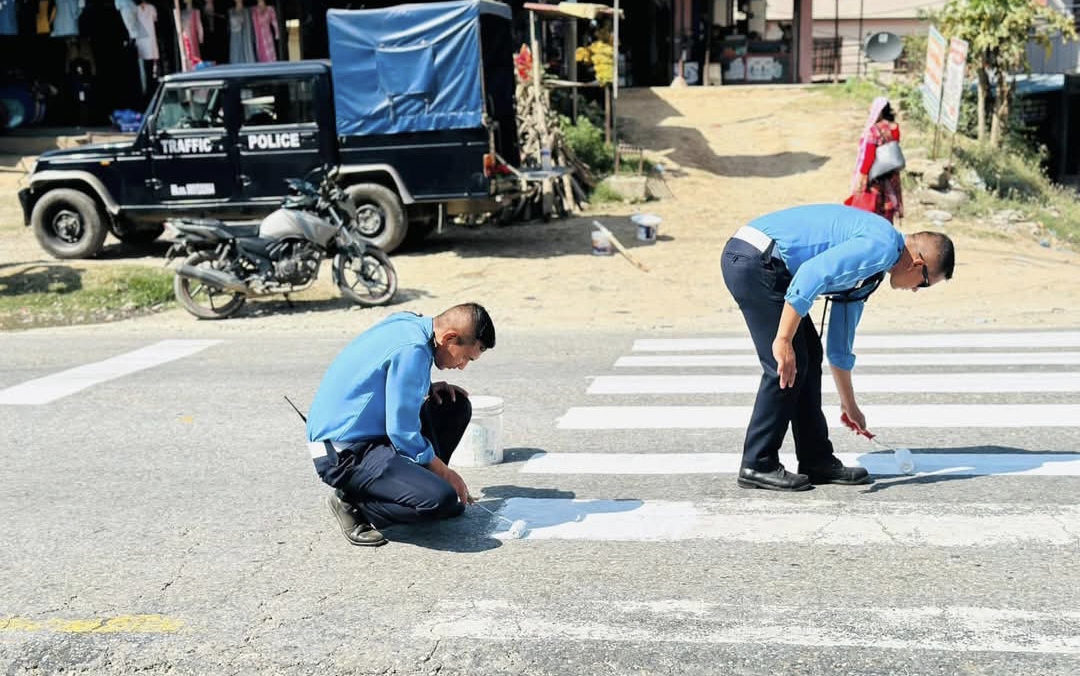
x: 227, y: 264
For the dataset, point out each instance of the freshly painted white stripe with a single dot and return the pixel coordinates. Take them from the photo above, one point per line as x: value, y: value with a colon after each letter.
x: 909, y: 630
x: 900, y: 341
x: 737, y: 417
x: 868, y: 382
x: 53, y: 387
x: 794, y: 521
x: 880, y: 463
x: 866, y: 359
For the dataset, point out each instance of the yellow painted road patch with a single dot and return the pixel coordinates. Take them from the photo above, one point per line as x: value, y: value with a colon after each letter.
x: 121, y: 624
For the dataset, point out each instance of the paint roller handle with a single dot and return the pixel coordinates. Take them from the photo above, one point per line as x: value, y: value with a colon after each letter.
x: 850, y: 424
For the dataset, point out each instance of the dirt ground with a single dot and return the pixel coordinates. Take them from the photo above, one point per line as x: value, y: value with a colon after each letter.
x: 730, y: 154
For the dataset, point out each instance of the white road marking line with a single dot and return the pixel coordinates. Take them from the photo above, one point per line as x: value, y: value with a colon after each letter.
x: 52, y: 387
x: 865, y: 359
x: 737, y: 417
x: 801, y: 522
x: 909, y: 630
x: 899, y: 341
x: 868, y: 382
x: 881, y: 463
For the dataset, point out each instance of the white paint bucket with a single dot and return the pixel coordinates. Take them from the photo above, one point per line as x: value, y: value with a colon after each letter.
x: 648, y: 226
x: 482, y: 443
x: 601, y: 244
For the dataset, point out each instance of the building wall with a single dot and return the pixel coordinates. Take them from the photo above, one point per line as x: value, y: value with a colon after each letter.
x: 850, y: 50
x: 1064, y: 57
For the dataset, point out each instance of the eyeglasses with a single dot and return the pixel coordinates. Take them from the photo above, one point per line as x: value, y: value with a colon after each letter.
x: 925, y: 275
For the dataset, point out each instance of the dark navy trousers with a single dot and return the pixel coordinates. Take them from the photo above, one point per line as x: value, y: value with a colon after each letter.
x: 758, y: 282
x: 389, y: 488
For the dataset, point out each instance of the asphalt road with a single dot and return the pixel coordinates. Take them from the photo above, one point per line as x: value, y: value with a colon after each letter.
x: 169, y: 521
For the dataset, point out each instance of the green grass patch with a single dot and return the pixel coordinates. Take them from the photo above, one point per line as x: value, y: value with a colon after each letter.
x: 858, y: 90
x: 57, y: 294
x: 604, y: 193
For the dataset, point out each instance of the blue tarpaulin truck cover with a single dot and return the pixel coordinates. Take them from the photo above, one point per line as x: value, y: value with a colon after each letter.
x: 409, y: 68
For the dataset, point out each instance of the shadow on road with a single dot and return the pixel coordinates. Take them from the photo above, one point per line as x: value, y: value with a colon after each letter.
x: 534, y: 239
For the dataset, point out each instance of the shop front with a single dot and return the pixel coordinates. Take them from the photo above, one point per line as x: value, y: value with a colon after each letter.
x: 716, y: 42
x: 78, y: 62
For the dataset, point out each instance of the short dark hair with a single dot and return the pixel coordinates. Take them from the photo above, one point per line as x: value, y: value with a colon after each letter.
x: 483, y: 327
x: 474, y: 316
x: 943, y: 250
x: 887, y: 113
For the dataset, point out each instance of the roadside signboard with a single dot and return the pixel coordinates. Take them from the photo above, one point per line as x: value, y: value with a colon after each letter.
x: 955, y: 66
x: 934, y: 73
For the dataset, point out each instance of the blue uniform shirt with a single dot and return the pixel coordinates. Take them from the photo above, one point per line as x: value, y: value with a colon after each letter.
x: 376, y: 385
x: 830, y: 248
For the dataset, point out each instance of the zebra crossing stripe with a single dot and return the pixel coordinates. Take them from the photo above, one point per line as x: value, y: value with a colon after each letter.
x: 865, y: 359
x: 1048, y: 339
x: 880, y: 463
x: 52, y: 387
x: 635, y: 622
x: 886, y: 416
x: 873, y: 382
x: 808, y: 521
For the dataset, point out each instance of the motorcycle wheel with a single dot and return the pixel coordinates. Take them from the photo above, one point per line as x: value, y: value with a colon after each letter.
x: 203, y: 300
x: 367, y: 280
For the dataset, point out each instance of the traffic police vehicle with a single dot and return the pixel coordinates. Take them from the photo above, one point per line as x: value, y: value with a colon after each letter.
x: 416, y: 124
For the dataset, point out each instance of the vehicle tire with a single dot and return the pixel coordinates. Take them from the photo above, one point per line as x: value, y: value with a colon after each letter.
x: 68, y: 224
x: 141, y: 236
x: 380, y: 217
x: 201, y: 299
x: 367, y: 280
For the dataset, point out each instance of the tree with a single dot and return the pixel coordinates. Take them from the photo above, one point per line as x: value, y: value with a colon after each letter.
x: 998, y: 33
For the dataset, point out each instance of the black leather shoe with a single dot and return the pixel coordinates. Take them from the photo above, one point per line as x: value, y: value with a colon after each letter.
x: 777, y: 480
x: 835, y: 473
x: 355, y: 529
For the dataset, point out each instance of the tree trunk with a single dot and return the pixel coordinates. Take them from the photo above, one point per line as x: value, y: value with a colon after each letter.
x: 1000, y: 119
x: 982, y: 90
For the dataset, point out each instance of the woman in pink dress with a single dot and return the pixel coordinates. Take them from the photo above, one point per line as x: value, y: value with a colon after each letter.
x: 266, y: 31
x: 882, y: 195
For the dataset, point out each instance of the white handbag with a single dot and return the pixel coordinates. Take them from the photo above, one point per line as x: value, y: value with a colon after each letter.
x: 887, y: 158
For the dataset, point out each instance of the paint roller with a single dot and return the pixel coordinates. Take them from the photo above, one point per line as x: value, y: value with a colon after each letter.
x: 517, y: 530
x: 905, y: 461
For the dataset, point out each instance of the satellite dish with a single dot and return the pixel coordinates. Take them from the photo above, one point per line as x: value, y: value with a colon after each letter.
x: 883, y: 47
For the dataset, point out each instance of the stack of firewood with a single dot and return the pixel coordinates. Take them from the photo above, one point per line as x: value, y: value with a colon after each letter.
x: 538, y: 128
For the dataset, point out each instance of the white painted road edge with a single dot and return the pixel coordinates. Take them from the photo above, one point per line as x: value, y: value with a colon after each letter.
x: 806, y: 522
x: 909, y: 629
x: 944, y: 416
x: 917, y: 341
x: 64, y: 383
x: 872, y: 382
x: 881, y: 463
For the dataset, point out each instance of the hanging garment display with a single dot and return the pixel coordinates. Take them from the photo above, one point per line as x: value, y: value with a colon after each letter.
x: 215, y: 43
x: 66, y: 23
x: 241, y: 38
x: 147, y: 41
x: 265, y: 20
x: 129, y: 12
x: 191, y: 28
x: 9, y: 18
x: 45, y: 15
